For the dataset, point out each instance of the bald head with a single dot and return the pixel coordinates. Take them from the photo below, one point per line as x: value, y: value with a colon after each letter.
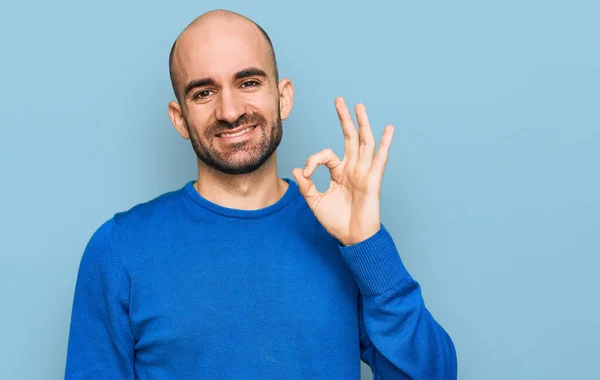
x: 210, y: 25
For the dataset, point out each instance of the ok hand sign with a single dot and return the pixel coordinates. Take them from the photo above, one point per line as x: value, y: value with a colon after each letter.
x: 349, y: 210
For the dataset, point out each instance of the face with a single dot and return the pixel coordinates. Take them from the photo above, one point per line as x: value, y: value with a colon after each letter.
x: 231, y: 104
x: 241, y: 152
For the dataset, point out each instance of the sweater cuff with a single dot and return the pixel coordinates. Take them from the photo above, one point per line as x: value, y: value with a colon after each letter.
x: 375, y: 263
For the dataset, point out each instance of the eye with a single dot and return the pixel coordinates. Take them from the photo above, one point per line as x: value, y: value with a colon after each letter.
x: 250, y: 84
x: 202, y: 94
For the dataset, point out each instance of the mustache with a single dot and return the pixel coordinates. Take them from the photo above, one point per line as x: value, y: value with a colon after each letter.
x: 222, y: 126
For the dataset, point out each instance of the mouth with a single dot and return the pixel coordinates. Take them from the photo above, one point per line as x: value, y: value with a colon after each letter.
x: 236, y: 132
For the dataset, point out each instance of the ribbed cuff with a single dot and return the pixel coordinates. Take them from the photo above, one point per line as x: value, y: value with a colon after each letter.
x: 375, y: 263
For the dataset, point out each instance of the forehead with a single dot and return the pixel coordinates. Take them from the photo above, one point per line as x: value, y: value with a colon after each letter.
x: 220, y: 48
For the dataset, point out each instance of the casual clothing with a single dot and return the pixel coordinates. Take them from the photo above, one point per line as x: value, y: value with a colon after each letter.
x: 182, y: 288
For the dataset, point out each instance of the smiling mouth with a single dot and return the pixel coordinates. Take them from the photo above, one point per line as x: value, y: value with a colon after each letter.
x: 235, y: 134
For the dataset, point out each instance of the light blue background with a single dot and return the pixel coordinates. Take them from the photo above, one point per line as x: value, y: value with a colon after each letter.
x: 492, y: 191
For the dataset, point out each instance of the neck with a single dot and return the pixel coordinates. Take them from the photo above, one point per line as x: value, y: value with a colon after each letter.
x: 252, y: 191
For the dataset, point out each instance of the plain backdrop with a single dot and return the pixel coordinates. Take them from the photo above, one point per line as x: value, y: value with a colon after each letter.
x: 492, y: 190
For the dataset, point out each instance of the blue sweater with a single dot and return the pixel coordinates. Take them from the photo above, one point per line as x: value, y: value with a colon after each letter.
x: 181, y: 288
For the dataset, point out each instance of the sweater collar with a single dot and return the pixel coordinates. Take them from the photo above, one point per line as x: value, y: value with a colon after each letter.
x: 290, y: 194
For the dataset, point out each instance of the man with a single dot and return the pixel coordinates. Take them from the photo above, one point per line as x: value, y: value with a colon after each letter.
x: 242, y: 274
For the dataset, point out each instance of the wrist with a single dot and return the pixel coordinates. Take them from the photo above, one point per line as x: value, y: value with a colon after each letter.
x: 360, y: 237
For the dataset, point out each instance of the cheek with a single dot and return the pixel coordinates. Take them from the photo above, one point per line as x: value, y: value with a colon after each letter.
x: 266, y: 104
x: 198, y: 123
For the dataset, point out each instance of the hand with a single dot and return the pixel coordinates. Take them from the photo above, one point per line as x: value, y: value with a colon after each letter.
x: 349, y: 210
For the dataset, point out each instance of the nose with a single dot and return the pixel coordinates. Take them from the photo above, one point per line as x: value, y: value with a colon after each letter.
x: 229, y: 107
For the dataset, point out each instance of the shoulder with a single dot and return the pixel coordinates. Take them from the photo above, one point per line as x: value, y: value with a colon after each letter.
x: 138, y: 221
x: 129, y: 229
x: 150, y: 213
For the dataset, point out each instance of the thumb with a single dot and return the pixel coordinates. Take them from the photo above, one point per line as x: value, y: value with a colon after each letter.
x: 307, y: 188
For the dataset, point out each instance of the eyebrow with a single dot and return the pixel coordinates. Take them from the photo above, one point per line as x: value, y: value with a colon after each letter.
x: 198, y: 83
x: 249, y: 72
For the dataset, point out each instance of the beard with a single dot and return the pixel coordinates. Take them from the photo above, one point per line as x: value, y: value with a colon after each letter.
x: 243, y: 157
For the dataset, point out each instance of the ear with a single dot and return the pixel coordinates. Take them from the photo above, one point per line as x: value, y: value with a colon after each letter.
x: 177, y: 119
x: 286, y: 97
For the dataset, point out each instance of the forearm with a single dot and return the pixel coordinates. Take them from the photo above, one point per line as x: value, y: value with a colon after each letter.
x: 399, y: 336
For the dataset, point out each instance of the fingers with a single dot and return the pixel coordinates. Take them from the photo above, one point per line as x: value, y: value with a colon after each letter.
x: 359, y: 146
x: 325, y: 157
x: 307, y: 188
x: 306, y: 185
x: 367, y: 141
x: 351, y: 141
x: 380, y: 160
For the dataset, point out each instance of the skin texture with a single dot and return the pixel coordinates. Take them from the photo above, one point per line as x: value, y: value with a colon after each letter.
x: 232, y: 66
x: 218, y: 46
x: 350, y: 208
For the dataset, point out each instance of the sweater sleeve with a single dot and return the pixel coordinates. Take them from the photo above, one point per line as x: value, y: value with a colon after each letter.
x: 399, y: 338
x: 100, y: 339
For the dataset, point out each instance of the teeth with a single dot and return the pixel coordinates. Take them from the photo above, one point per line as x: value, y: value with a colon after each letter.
x: 237, y: 133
